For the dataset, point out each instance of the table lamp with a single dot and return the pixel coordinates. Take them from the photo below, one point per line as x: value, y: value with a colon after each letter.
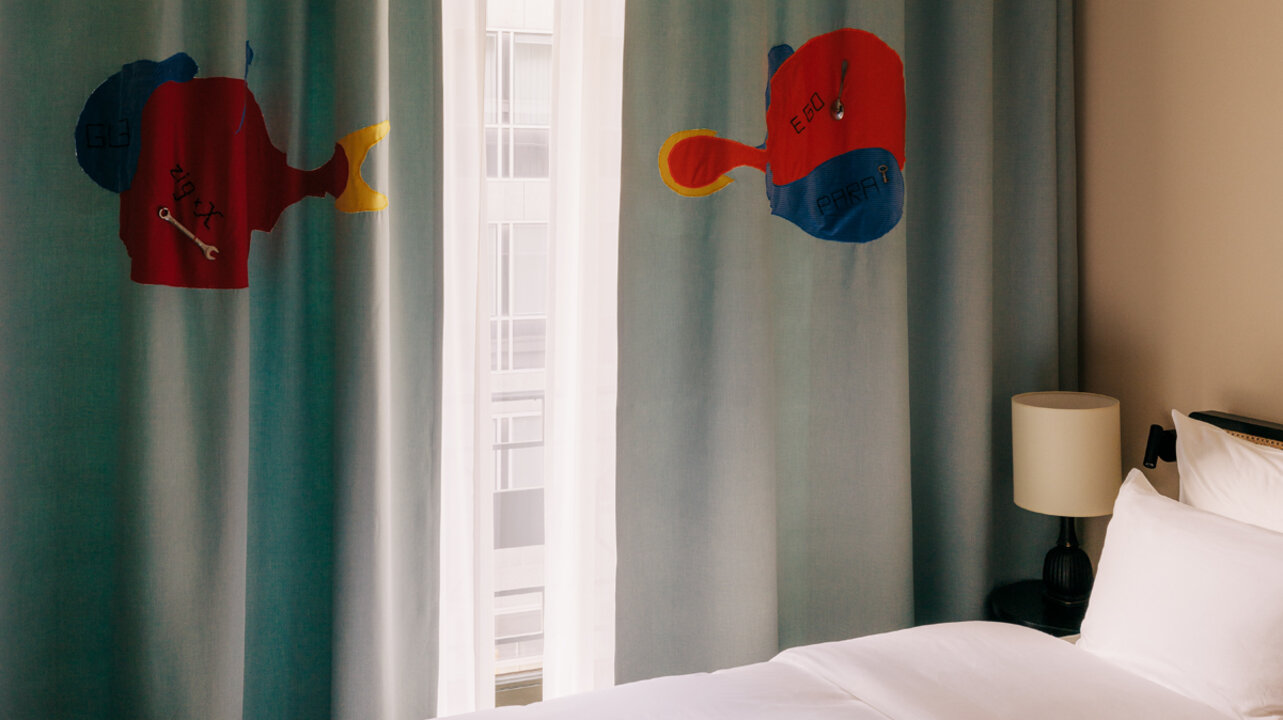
x: 1066, y: 461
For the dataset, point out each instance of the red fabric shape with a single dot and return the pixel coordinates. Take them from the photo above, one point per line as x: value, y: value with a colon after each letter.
x: 801, y: 132
x: 206, y: 156
x: 699, y: 160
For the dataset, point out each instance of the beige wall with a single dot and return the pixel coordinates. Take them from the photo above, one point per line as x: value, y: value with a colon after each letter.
x: 1180, y: 108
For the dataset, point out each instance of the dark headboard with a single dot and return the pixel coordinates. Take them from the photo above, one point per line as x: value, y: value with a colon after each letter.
x: 1162, y: 443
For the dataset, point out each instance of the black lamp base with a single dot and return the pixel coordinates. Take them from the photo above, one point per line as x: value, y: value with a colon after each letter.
x: 1066, y: 571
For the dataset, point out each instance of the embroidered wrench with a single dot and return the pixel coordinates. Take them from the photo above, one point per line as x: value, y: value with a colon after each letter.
x: 206, y: 248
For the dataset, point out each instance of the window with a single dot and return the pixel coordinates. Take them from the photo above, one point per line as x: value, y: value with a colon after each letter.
x: 518, y: 111
x: 528, y: 349
x: 518, y: 128
x: 518, y: 323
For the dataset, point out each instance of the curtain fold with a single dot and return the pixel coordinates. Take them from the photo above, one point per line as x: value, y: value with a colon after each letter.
x: 222, y: 503
x: 813, y: 435
x: 993, y: 280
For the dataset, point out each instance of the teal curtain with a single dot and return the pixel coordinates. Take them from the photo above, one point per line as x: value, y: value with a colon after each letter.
x: 221, y: 503
x: 814, y: 435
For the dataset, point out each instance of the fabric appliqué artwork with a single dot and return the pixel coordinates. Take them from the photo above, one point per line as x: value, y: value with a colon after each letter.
x: 834, y: 150
x: 197, y: 172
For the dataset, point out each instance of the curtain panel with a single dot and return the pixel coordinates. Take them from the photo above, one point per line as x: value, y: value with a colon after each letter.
x: 219, y: 502
x: 813, y: 434
x: 467, y: 567
x: 579, y: 513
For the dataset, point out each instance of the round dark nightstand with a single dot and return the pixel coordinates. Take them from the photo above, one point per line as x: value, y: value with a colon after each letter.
x: 1023, y: 603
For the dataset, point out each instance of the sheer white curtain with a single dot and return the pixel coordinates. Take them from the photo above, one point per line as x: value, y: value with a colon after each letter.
x: 579, y: 415
x: 579, y: 621
x: 466, y: 648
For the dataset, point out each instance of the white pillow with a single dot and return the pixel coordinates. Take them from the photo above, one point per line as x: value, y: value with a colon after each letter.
x: 1192, y: 601
x: 1227, y: 475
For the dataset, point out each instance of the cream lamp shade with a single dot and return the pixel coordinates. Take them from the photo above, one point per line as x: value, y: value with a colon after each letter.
x: 1066, y: 453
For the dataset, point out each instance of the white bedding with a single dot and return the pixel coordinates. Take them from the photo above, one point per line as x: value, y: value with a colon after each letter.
x: 764, y: 690
x: 953, y: 671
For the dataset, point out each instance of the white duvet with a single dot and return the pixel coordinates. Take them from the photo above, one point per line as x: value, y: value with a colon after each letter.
x: 953, y: 671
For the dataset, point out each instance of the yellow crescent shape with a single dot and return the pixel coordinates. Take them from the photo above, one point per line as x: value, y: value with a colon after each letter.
x: 721, y: 182
x: 357, y: 195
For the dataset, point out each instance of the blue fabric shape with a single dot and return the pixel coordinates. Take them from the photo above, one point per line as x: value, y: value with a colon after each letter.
x: 107, y: 135
x: 857, y: 196
x: 249, y: 58
x: 775, y: 57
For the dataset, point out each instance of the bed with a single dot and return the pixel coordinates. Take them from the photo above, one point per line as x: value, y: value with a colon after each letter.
x: 1185, y: 621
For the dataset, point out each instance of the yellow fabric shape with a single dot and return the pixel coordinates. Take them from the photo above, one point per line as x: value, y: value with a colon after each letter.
x: 357, y: 195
